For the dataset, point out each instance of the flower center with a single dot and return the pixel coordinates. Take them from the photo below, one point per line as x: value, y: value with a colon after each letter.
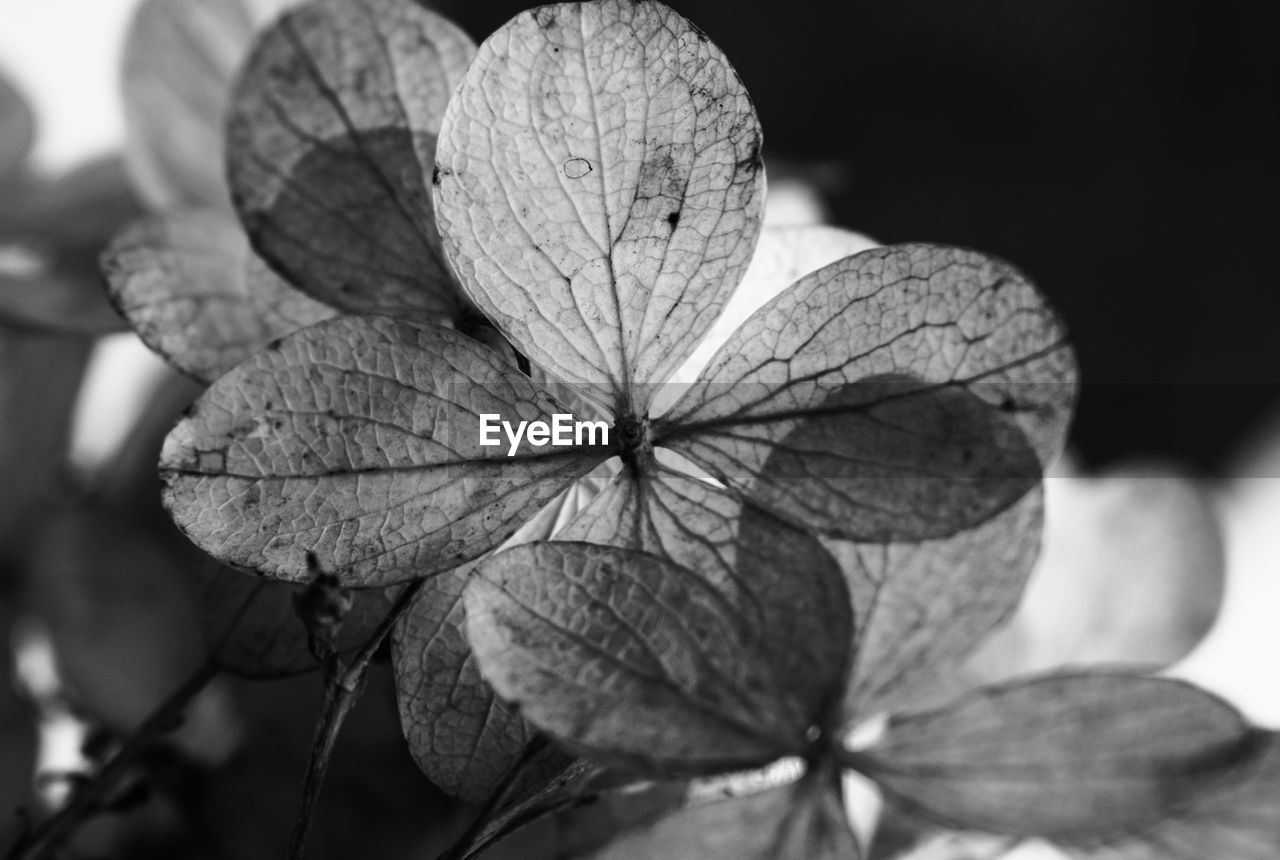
x: 632, y: 435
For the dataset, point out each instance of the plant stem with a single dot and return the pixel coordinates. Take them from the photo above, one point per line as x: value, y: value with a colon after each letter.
x: 343, y: 686
x: 342, y: 691
x: 54, y: 831
x: 461, y: 848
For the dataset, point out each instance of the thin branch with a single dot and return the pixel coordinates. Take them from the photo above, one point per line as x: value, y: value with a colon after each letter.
x: 342, y: 690
x: 461, y: 848
x: 50, y: 834
x: 343, y: 687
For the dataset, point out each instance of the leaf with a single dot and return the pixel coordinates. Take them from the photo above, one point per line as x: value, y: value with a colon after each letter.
x: 782, y: 257
x: 599, y: 190
x: 51, y: 232
x: 803, y: 821
x: 331, y: 144
x: 1132, y: 573
x: 738, y: 550
x: 357, y: 439
x: 464, y: 738
x: 1072, y: 758
x: 179, y: 60
x: 665, y: 513
x: 921, y: 608
x: 632, y: 659
x: 1239, y: 819
x: 888, y: 458
x: 902, y: 394
x: 564, y: 510
x: 17, y: 130
x: 253, y: 626
x: 194, y: 292
x: 461, y: 734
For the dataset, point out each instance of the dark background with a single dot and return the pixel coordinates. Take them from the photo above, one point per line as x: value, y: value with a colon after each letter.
x: 1121, y: 153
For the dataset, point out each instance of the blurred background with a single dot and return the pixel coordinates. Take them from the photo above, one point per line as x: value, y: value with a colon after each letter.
x: 1121, y: 154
